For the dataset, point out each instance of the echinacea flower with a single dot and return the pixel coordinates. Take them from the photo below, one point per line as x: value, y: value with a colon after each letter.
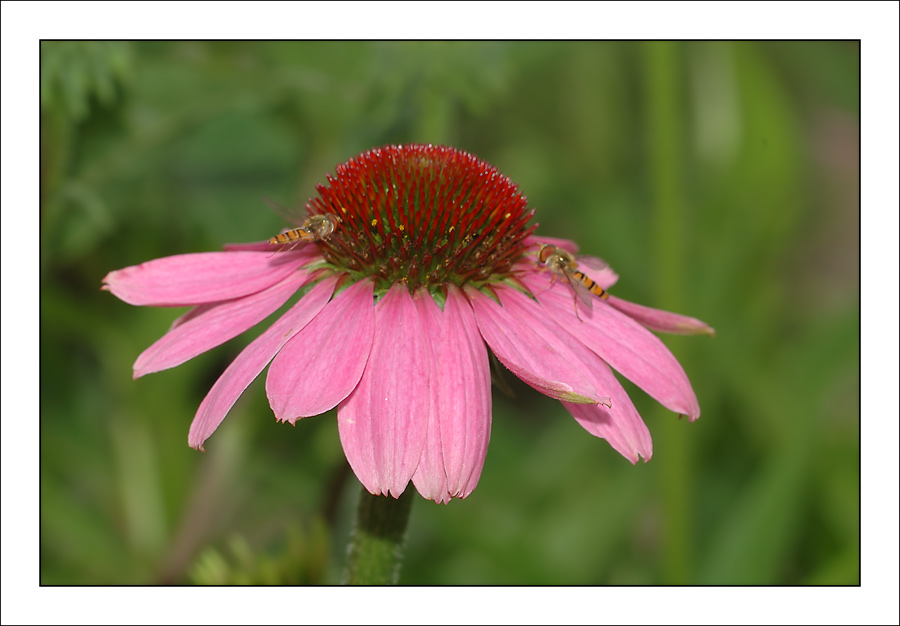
x: 412, y: 262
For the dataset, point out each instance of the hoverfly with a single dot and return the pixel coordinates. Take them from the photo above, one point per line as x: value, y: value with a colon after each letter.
x: 313, y: 227
x: 561, y: 263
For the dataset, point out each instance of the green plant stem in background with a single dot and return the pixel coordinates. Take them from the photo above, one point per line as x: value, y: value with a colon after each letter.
x: 664, y: 119
x: 376, y: 543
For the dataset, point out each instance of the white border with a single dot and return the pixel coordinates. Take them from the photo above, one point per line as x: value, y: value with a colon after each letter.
x: 24, y: 23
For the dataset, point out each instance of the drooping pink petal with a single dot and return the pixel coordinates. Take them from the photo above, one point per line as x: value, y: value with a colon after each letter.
x: 661, y: 321
x: 251, y: 361
x: 627, y: 346
x: 460, y: 424
x: 323, y: 363
x: 534, y: 347
x: 202, y: 277
x: 383, y: 422
x: 210, y: 325
x: 620, y: 424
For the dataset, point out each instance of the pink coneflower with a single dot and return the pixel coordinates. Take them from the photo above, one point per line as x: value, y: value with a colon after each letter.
x: 412, y: 262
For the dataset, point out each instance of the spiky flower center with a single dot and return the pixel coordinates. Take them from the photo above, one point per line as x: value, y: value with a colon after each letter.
x: 422, y: 215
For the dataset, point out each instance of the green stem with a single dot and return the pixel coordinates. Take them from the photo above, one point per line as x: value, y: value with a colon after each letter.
x: 376, y: 543
x: 664, y: 78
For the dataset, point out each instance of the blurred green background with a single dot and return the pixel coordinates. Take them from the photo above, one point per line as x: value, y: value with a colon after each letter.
x: 721, y: 180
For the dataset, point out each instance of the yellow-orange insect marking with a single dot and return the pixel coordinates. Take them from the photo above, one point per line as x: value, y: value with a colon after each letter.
x: 591, y: 285
x: 291, y: 235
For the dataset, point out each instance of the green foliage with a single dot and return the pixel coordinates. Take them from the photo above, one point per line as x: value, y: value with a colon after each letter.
x: 73, y: 73
x: 300, y: 558
x: 719, y: 179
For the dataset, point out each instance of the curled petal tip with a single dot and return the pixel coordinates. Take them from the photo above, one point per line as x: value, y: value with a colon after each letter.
x: 688, y: 326
x: 698, y: 327
x: 605, y: 401
x: 576, y: 398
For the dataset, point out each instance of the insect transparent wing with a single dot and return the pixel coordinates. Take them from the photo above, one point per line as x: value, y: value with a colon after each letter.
x: 295, y: 216
x: 580, y: 290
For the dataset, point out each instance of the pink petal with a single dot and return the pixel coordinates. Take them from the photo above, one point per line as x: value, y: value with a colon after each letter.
x: 323, y: 363
x: 265, y: 246
x: 189, y: 279
x: 566, y: 244
x: 460, y: 424
x: 604, y: 277
x: 661, y: 321
x: 620, y: 424
x: 533, y: 347
x: 251, y: 361
x: 210, y: 325
x: 383, y: 423
x: 623, y: 343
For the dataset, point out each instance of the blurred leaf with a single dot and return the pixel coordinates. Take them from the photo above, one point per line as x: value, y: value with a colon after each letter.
x: 74, y: 72
x: 298, y: 558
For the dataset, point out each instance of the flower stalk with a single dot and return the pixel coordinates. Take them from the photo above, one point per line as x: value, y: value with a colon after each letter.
x: 666, y: 176
x: 376, y: 542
